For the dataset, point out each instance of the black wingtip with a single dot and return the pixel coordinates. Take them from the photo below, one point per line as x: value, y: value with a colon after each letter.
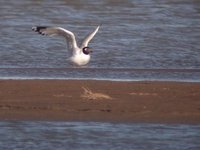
x: 38, y: 28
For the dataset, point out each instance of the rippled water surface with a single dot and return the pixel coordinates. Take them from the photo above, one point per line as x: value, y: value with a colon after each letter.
x: 138, y: 40
x: 135, y: 34
x: 93, y: 135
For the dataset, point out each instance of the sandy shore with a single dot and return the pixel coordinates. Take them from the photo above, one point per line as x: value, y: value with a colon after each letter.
x: 87, y: 100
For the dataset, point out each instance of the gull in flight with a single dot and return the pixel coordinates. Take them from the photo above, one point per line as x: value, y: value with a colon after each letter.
x: 80, y: 55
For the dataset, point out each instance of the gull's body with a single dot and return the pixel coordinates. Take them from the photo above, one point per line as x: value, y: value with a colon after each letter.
x: 80, y: 55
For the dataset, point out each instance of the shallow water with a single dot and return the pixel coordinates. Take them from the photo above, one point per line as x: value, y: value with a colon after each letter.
x: 134, y: 36
x: 94, y: 135
x: 138, y: 40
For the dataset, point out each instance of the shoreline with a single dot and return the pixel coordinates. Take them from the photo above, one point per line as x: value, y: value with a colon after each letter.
x: 97, y: 79
x: 100, y: 101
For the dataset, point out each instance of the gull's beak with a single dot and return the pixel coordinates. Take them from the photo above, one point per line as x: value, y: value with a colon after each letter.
x: 90, y: 50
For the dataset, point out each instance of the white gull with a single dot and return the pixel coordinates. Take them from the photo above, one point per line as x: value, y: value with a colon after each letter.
x: 80, y: 55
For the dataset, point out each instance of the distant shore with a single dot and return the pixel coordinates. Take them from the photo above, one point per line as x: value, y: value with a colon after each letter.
x: 109, y: 101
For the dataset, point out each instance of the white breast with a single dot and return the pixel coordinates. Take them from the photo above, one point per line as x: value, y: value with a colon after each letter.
x: 80, y: 59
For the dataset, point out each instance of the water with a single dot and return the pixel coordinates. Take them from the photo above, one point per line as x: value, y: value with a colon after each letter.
x: 94, y: 135
x: 135, y: 37
x: 138, y: 40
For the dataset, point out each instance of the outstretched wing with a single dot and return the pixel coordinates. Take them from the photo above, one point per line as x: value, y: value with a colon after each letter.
x: 89, y: 37
x: 51, y: 31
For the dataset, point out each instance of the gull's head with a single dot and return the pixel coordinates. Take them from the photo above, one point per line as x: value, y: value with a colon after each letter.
x: 87, y: 50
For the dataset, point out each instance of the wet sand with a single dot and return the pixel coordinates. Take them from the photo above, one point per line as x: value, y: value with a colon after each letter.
x: 90, y: 100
